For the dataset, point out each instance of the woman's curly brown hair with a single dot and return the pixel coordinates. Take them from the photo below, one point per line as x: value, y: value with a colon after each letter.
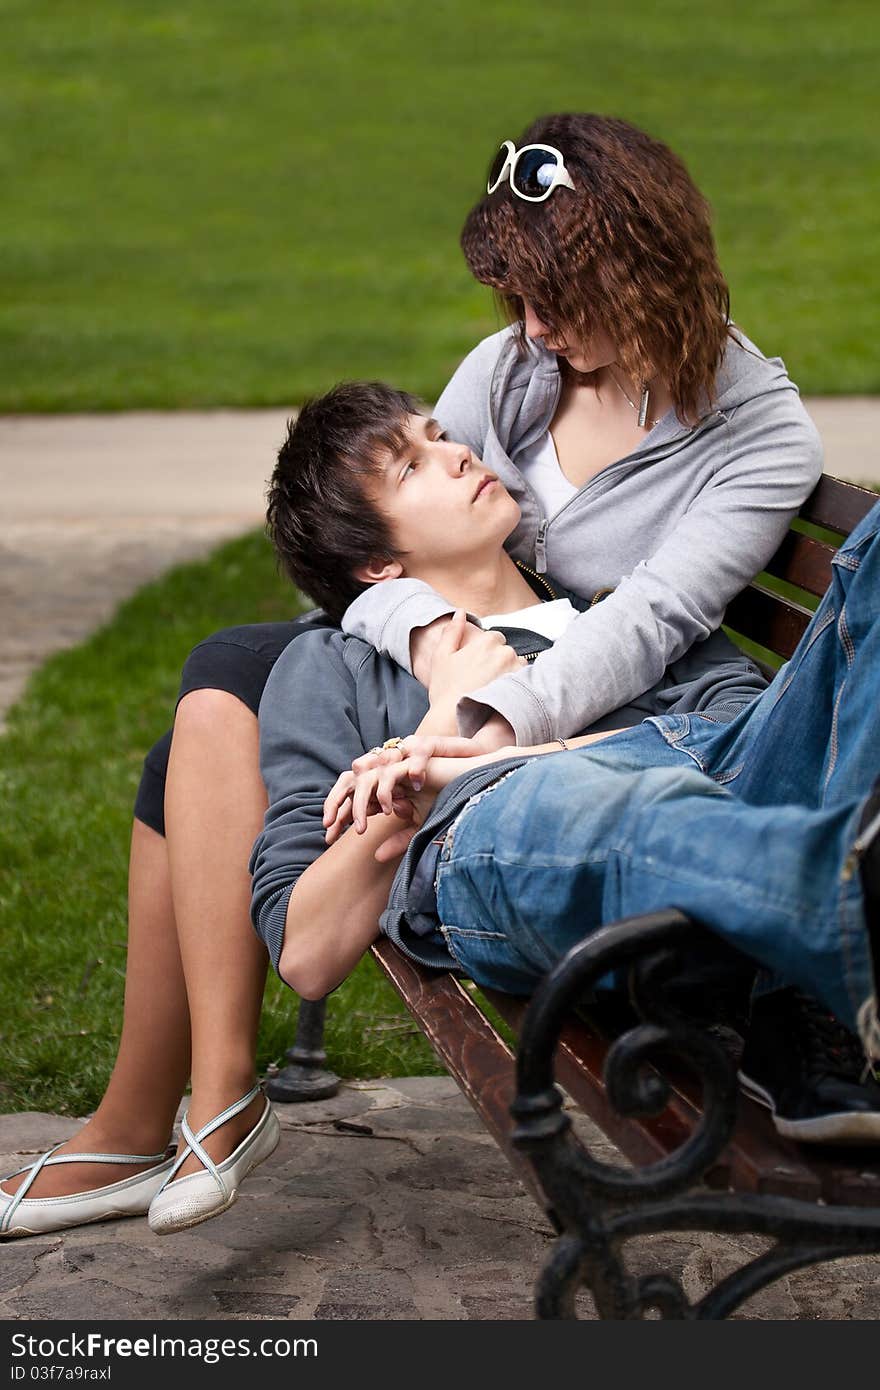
x: 629, y: 250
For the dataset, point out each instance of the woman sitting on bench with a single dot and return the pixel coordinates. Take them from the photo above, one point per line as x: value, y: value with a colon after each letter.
x: 651, y: 450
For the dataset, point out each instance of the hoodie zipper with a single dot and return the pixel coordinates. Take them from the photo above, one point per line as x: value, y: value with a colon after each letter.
x: 540, y: 551
x: 551, y: 595
x: 716, y: 415
x: 679, y: 441
x: 544, y: 583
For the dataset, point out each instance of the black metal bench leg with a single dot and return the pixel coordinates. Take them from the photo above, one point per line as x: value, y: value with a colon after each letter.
x: 306, y: 1077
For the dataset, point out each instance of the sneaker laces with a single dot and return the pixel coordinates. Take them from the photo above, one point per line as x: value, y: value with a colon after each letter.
x: 827, y: 1047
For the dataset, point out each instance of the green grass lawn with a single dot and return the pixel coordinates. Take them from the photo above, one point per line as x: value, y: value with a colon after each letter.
x: 212, y: 203
x: 69, y: 766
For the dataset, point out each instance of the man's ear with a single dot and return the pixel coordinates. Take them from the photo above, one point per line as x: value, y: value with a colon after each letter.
x: 377, y: 570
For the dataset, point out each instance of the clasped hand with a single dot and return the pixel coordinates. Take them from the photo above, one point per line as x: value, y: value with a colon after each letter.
x: 402, y: 781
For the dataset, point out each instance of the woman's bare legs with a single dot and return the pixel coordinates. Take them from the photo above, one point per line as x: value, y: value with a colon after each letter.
x: 210, y: 831
x: 153, y: 1061
x: 195, y: 967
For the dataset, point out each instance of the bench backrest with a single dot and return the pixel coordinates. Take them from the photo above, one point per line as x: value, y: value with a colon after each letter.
x: 775, y: 617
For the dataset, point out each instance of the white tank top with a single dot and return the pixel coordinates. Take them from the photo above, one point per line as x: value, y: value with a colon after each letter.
x: 549, y: 619
x: 539, y: 466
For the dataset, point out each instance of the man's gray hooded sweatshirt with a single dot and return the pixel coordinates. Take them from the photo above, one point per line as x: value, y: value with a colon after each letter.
x: 330, y: 697
x: 676, y: 529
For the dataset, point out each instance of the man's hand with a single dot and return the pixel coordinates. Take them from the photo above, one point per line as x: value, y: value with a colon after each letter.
x: 422, y: 645
x: 405, y: 785
x: 405, y: 782
x: 401, y: 781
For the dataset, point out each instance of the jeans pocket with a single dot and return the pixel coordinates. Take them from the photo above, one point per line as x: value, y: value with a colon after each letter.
x: 712, y: 747
x: 678, y: 732
x: 473, y: 801
x: 489, y: 959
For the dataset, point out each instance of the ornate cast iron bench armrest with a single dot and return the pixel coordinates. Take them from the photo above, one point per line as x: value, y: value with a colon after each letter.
x: 598, y: 1206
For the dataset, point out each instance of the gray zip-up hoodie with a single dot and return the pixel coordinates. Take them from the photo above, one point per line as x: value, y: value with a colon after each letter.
x: 676, y: 528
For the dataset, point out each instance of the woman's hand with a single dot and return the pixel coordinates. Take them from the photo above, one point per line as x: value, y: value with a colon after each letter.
x: 389, y: 782
x: 495, y: 735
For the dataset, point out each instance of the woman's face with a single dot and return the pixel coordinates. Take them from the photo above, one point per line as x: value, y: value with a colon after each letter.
x: 598, y: 351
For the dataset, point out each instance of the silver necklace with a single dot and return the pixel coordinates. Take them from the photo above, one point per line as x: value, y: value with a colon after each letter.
x: 644, y: 400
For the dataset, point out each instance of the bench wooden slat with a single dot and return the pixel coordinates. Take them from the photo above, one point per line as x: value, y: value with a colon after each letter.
x: 767, y: 619
x: 483, y: 1066
x: 759, y: 1160
x: 466, y: 1043
x: 851, y: 1179
x: 803, y: 561
x: 839, y: 506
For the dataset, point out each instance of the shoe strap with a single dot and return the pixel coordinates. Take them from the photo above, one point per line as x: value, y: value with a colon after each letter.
x: 106, y: 1158
x: 193, y: 1144
x: 33, y: 1171
x: 50, y: 1159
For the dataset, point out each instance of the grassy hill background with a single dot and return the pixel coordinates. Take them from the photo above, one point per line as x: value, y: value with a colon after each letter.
x: 209, y: 203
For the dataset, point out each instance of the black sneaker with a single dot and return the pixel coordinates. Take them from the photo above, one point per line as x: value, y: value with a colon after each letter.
x: 810, y: 1072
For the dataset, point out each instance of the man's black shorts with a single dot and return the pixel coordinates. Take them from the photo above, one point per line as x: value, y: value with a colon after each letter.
x: 238, y: 660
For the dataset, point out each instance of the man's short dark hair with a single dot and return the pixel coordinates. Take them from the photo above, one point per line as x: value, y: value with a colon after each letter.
x: 320, y: 517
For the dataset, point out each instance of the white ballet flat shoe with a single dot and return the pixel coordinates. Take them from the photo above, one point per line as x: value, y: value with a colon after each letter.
x: 21, y: 1215
x: 199, y: 1196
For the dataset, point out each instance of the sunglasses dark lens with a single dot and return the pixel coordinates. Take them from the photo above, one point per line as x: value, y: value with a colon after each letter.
x: 497, y: 165
x: 534, y: 172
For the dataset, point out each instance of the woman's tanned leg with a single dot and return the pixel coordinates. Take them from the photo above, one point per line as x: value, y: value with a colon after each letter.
x: 214, y: 807
x: 152, y: 1064
x: 196, y: 970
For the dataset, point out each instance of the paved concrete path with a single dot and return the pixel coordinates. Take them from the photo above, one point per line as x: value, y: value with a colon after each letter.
x: 94, y: 506
x: 389, y: 1201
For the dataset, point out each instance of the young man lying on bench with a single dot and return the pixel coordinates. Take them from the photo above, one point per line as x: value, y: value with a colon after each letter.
x: 774, y: 846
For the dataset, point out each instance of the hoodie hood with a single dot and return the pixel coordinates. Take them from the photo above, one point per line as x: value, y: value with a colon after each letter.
x: 526, y: 383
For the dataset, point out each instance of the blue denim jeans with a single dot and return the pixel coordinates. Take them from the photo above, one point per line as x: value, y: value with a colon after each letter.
x: 748, y: 826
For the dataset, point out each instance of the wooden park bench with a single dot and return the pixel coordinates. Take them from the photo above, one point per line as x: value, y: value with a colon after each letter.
x: 664, y: 1090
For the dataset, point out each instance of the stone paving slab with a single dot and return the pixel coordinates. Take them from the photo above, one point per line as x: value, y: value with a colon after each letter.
x: 410, y: 1213
x: 181, y: 463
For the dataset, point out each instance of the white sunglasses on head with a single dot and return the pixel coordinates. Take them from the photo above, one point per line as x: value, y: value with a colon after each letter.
x: 534, y: 171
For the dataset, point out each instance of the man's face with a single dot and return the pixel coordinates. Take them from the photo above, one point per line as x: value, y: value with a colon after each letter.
x: 446, y: 511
